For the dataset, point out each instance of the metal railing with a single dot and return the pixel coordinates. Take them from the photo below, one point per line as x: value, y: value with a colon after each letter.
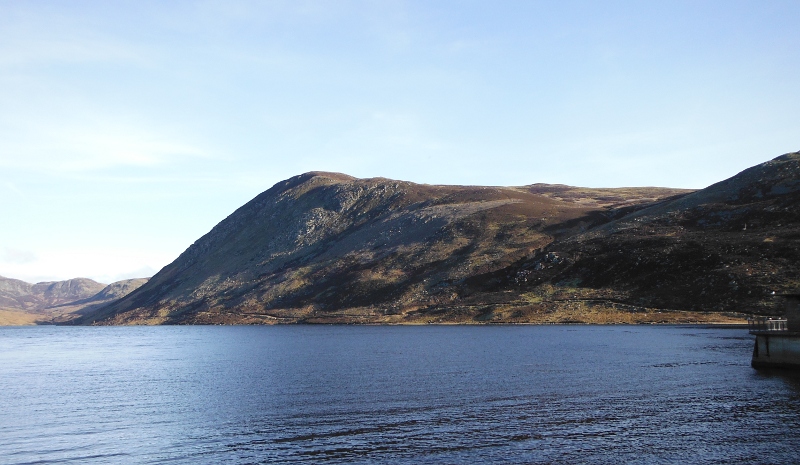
x: 765, y: 323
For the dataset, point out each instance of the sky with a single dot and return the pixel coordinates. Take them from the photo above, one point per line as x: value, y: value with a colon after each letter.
x: 129, y: 129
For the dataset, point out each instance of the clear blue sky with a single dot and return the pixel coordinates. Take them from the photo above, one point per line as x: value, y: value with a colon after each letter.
x: 129, y: 129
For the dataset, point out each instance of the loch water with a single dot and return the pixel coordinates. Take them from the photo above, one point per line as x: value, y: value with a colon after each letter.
x: 391, y: 394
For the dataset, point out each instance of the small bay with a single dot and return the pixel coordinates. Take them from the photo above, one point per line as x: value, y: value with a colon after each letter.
x: 391, y: 394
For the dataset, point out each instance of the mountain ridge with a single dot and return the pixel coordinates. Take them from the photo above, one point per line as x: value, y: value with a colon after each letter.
x: 328, y: 247
x: 57, y: 301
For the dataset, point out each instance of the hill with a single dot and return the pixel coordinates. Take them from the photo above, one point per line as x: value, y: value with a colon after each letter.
x: 56, y: 301
x: 726, y: 248
x: 34, y: 298
x: 330, y: 248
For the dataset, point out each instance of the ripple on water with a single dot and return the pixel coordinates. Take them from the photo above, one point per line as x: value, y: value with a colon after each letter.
x: 578, y: 394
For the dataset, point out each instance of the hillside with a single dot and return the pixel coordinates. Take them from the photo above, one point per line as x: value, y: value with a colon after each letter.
x: 725, y: 248
x: 16, y: 294
x: 327, y: 247
x: 56, y: 301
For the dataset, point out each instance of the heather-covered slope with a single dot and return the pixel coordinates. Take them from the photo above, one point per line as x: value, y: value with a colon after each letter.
x: 109, y: 294
x: 725, y: 248
x: 328, y: 247
x: 19, y: 295
x: 325, y: 247
x: 57, y: 301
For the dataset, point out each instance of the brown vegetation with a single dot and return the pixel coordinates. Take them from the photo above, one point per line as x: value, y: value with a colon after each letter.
x: 17, y: 318
x: 329, y: 248
x: 57, y: 301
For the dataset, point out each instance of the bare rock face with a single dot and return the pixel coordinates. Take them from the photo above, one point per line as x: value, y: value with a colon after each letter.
x: 327, y: 247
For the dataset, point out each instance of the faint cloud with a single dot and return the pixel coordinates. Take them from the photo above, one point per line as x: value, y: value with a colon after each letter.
x: 470, y: 45
x: 222, y: 17
x: 27, y: 52
x: 385, y: 134
x: 18, y: 256
x: 91, y: 147
x: 116, y: 146
x: 14, y: 189
x: 104, y: 265
x: 34, y: 36
x: 380, y: 143
x: 143, y: 272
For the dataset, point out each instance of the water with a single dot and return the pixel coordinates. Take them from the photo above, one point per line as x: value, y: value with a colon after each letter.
x: 345, y: 394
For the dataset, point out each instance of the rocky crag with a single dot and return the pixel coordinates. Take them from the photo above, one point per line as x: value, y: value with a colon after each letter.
x: 330, y: 248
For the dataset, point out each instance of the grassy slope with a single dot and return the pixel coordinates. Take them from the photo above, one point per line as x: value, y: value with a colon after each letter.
x: 11, y: 317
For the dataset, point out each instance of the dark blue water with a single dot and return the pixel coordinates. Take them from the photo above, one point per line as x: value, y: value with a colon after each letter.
x: 344, y: 394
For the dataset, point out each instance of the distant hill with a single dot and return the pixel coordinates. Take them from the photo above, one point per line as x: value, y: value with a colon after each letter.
x: 24, y: 303
x: 37, y: 297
